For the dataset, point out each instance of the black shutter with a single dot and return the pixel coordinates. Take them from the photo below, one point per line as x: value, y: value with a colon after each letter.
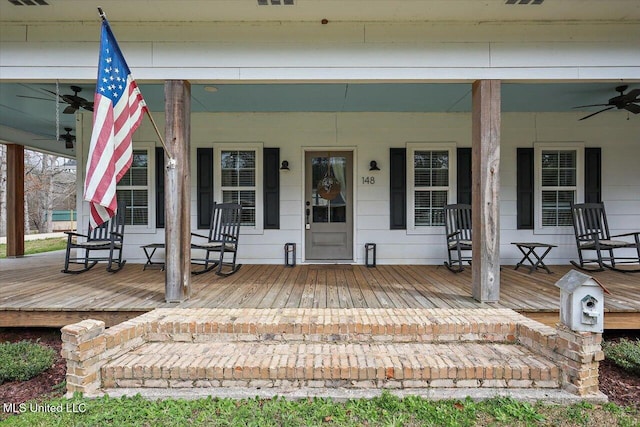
x: 159, y: 187
x: 271, y: 189
x: 398, y: 188
x: 463, y: 175
x: 592, y: 175
x: 204, y: 176
x: 525, y: 193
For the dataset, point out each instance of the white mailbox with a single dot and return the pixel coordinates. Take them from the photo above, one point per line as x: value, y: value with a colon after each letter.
x: 581, y: 302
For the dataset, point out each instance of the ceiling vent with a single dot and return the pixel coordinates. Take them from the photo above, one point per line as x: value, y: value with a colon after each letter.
x: 524, y: 1
x: 275, y: 2
x: 29, y: 2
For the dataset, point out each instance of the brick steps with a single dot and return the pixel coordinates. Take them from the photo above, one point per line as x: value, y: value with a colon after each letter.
x: 339, y: 349
x: 350, y: 365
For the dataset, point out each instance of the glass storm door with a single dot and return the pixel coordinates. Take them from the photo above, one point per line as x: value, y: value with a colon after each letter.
x: 328, y: 209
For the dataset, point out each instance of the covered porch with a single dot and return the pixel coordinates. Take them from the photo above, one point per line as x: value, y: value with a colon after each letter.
x: 36, y: 293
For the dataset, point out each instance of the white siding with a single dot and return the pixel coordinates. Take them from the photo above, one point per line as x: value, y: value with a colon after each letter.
x: 371, y: 135
x: 358, y: 51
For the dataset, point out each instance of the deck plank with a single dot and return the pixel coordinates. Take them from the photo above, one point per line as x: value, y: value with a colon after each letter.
x: 45, y: 295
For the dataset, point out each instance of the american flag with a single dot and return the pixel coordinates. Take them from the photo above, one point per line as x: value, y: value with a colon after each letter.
x: 118, y: 109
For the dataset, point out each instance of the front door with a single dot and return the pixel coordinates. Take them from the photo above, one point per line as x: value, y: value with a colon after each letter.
x: 329, y: 205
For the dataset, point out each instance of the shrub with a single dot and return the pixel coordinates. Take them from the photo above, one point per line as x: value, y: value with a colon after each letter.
x: 23, y: 360
x: 625, y: 354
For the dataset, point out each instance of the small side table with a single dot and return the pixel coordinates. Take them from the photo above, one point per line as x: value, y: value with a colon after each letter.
x: 149, y: 251
x: 529, y: 249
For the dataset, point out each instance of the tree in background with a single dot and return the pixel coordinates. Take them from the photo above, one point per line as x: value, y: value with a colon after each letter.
x: 49, y: 184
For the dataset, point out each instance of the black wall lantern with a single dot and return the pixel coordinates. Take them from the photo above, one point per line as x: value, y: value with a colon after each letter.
x: 284, y: 166
x: 373, y: 166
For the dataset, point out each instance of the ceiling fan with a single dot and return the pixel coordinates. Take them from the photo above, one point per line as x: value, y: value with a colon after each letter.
x: 75, y: 102
x: 66, y: 137
x: 625, y: 101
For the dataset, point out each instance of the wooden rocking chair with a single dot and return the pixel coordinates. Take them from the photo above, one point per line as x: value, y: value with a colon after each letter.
x: 458, y: 232
x: 224, y: 231
x: 592, y: 234
x: 107, y: 237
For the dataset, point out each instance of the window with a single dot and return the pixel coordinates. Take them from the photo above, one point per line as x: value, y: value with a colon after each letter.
x: 559, y: 178
x: 431, y: 184
x: 133, y: 189
x: 239, y: 181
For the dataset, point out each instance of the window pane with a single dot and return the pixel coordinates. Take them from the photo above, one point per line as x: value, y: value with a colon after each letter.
x: 559, y: 168
x: 549, y: 159
x: 422, y: 159
x: 567, y: 159
x: 138, y: 176
x: 137, y: 216
x: 140, y: 159
x: 136, y: 210
x: 567, y: 177
x: 247, y: 178
x: 248, y: 217
x: 549, y: 178
x: 422, y: 178
x: 440, y: 160
x: 440, y: 178
x: 429, y: 207
x: 230, y: 197
x: 556, y: 208
x: 229, y: 178
x: 431, y: 168
x: 247, y: 198
x: 238, y: 168
x: 228, y: 159
x: 248, y: 201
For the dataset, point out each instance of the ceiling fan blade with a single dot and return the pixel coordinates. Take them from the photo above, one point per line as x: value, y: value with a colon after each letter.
x: 592, y: 105
x: 35, y: 97
x: 53, y: 93
x: 634, y: 108
x: 633, y: 94
x: 70, y: 109
x: 597, y: 112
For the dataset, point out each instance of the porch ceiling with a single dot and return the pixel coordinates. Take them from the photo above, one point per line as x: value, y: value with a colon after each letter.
x: 32, y: 122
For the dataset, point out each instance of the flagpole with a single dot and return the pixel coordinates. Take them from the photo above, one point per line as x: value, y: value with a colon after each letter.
x: 172, y: 162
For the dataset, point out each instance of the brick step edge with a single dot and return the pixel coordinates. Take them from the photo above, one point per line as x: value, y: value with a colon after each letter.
x: 358, y: 324
x: 329, y: 365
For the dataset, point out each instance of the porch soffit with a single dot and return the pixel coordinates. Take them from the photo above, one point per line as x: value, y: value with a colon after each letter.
x: 25, y: 120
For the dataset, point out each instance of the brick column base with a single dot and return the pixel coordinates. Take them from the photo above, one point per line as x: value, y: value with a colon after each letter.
x: 579, y: 354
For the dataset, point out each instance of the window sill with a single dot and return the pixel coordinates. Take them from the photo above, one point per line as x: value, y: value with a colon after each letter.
x: 554, y: 230
x: 433, y: 230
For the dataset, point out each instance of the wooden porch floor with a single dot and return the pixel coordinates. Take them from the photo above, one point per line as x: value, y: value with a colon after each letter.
x: 36, y: 293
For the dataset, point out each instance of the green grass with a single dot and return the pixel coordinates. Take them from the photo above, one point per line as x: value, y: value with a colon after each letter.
x: 624, y: 353
x: 23, y: 360
x: 385, y: 410
x: 37, y: 246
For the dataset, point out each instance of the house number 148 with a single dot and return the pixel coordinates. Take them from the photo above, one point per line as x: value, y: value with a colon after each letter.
x: 369, y: 180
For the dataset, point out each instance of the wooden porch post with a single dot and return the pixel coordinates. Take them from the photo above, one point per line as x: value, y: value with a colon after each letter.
x: 485, y: 174
x: 15, y: 200
x: 177, y: 184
